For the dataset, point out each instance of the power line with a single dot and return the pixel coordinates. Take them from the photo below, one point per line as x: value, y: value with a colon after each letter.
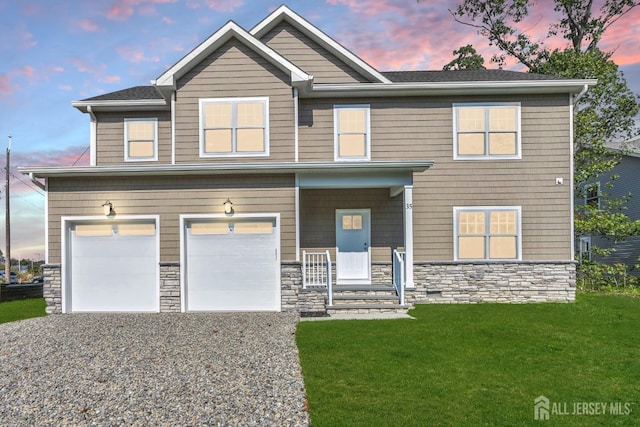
x: 28, y: 201
x: 83, y: 153
x: 28, y: 184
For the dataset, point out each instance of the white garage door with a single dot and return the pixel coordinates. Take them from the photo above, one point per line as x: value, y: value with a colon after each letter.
x: 232, y: 265
x: 114, y: 267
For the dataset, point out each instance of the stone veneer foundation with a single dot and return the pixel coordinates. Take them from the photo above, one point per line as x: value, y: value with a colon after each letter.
x: 519, y: 282
x: 435, y: 282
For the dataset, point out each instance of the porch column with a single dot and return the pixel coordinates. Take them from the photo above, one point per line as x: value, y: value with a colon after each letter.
x: 408, y: 235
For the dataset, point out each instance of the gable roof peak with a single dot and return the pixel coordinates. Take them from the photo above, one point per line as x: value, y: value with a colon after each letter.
x: 284, y: 13
x: 217, y: 39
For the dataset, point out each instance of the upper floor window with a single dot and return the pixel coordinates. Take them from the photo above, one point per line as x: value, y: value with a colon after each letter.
x: 352, y: 139
x: 486, y: 131
x: 140, y: 140
x: 487, y: 233
x: 234, y: 127
x: 592, y: 195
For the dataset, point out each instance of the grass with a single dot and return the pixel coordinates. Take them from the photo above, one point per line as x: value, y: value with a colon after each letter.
x: 475, y: 365
x: 22, y: 309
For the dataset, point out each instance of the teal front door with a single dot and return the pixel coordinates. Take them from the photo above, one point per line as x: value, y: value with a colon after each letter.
x: 353, y: 246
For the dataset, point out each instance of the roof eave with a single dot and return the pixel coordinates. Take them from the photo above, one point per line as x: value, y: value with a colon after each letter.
x: 450, y: 88
x: 224, y: 168
x: 121, y: 105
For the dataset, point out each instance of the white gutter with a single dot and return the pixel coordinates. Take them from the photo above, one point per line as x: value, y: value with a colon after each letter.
x: 226, y: 168
x: 93, y: 136
x: 448, y: 88
x: 577, y: 98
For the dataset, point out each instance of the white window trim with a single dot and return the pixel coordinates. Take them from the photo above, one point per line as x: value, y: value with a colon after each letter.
x: 586, y: 193
x: 336, y: 156
x: 581, y: 241
x: 155, y: 140
x: 518, y: 154
x: 518, y: 210
x: 204, y: 101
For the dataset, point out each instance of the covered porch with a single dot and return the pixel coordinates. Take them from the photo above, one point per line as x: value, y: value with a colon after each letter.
x: 355, y: 235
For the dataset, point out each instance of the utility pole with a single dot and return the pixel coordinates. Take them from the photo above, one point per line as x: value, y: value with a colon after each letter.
x: 7, y: 252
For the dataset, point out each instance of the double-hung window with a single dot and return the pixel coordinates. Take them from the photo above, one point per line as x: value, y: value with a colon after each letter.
x: 592, y: 195
x: 234, y: 127
x: 140, y: 140
x: 487, y: 233
x: 486, y: 131
x: 352, y: 134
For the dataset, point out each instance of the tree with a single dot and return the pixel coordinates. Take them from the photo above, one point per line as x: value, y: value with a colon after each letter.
x: 579, y: 25
x: 604, y: 114
x: 467, y: 59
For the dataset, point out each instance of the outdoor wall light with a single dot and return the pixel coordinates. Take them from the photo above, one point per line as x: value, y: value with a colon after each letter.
x: 108, y: 209
x: 228, y: 207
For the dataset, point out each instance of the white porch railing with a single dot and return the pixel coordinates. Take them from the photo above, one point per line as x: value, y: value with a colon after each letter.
x: 316, y: 271
x: 399, y: 274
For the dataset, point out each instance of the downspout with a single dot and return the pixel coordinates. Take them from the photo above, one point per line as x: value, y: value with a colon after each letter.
x: 573, y: 100
x: 295, y: 124
x: 173, y: 128
x: 92, y: 136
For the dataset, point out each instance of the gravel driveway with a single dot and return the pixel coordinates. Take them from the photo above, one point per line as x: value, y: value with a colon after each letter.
x: 151, y: 369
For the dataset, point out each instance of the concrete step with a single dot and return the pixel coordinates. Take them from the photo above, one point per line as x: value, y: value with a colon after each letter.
x: 342, y: 297
x: 366, y: 308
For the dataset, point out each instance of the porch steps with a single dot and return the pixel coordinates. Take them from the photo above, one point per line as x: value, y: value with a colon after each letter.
x: 363, y: 299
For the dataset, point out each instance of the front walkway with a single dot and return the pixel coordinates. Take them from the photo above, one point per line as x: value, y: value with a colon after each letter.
x: 152, y: 369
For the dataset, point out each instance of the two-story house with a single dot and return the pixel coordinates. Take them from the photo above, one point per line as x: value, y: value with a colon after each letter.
x: 273, y: 169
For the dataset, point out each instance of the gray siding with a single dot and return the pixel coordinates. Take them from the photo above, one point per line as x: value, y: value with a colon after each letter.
x: 110, y: 137
x: 318, y: 219
x: 234, y: 71
x: 628, y: 183
x: 309, y: 56
x: 406, y: 129
x: 170, y: 197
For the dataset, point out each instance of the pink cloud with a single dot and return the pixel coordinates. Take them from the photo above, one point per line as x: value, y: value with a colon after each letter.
x: 65, y: 87
x: 134, y: 55
x: 217, y: 5
x: 89, y: 25
x: 26, y: 71
x: 97, y: 71
x: 30, y: 9
x: 51, y: 157
x: 25, y: 38
x: 394, y: 34
x: 122, y: 10
x: 167, y: 20
x: 5, y: 84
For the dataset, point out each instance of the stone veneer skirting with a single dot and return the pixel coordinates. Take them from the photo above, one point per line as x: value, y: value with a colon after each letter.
x: 519, y: 282
x: 52, y: 287
x: 435, y: 282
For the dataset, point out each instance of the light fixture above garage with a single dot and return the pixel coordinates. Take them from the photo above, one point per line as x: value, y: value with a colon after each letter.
x: 228, y: 207
x: 108, y: 209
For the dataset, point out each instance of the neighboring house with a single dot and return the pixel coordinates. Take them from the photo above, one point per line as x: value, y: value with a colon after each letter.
x: 273, y: 169
x: 627, y: 183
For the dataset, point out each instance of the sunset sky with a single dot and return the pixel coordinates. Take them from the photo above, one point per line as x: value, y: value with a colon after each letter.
x: 53, y: 53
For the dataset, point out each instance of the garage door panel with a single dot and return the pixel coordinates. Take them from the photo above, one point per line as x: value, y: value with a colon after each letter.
x: 232, y: 271
x: 114, y: 273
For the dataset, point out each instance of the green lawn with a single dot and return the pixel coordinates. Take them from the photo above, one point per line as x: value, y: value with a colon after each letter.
x: 474, y: 365
x: 21, y: 309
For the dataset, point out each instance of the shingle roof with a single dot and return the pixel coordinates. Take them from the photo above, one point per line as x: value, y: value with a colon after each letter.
x: 150, y: 92
x: 463, y: 76
x: 130, y: 94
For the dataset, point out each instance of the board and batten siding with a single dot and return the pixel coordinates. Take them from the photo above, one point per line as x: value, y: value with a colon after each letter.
x: 234, y: 71
x: 422, y: 128
x: 170, y: 197
x: 310, y: 56
x: 110, y: 137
